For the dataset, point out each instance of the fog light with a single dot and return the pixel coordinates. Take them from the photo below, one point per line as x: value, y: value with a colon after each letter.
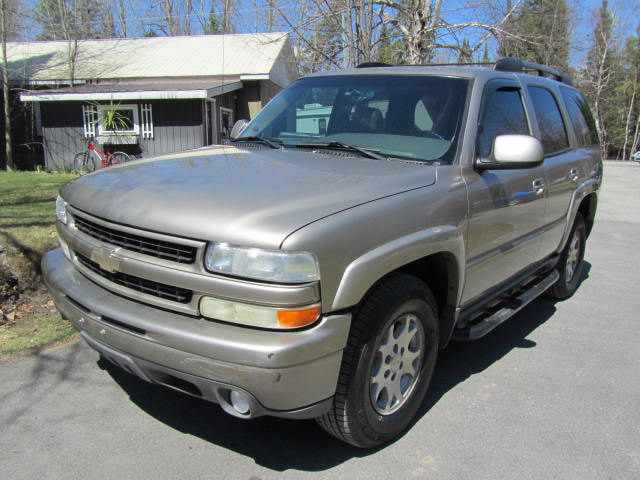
x: 240, y: 402
x: 258, y: 315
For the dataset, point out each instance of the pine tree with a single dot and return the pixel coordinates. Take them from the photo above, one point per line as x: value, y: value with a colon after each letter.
x: 465, y: 54
x: 539, y: 32
x: 485, y: 54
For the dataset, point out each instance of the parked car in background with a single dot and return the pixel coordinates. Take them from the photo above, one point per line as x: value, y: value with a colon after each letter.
x: 636, y: 157
x: 363, y: 220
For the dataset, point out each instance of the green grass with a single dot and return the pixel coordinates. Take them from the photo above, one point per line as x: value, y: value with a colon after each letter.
x: 27, y: 210
x: 33, y: 332
x: 27, y: 230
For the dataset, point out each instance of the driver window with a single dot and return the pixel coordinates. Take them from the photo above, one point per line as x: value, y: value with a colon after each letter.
x: 504, y: 114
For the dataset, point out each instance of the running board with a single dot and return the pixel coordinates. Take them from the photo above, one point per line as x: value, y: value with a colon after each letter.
x: 513, y: 305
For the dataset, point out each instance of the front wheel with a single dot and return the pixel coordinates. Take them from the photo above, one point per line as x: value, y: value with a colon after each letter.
x: 118, y: 158
x: 571, y: 263
x: 387, y: 364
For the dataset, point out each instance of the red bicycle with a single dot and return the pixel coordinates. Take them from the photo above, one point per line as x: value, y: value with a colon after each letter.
x: 94, y: 158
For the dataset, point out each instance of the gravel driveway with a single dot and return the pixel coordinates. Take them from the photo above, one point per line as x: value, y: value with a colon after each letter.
x: 553, y: 393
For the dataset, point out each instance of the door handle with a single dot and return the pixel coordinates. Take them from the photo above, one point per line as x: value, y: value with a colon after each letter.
x: 538, y: 186
x: 573, y: 175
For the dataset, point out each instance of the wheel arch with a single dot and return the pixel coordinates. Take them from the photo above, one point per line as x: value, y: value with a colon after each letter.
x: 587, y: 208
x: 435, y: 256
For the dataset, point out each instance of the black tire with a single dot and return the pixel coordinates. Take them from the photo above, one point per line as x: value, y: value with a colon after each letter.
x: 118, y: 158
x: 565, y: 287
x: 353, y: 417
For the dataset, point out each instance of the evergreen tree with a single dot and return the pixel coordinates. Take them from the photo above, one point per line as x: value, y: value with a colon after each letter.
x: 465, y: 54
x: 539, y: 32
x: 485, y: 54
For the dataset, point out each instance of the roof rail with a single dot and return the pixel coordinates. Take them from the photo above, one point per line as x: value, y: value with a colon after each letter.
x: 380, y: 64
x: 512, y: 64
x: 373, y: 65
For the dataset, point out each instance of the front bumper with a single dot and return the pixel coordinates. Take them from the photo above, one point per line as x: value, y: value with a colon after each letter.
x: 286, y: 374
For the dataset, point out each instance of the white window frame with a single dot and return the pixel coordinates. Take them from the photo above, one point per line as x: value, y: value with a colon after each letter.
x: 136, y: 123
x: 147, y: 120
x: 89, y: 119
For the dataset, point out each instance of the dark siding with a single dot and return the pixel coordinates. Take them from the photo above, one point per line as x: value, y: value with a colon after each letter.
x: 62, y: 133
x: 177, y: 126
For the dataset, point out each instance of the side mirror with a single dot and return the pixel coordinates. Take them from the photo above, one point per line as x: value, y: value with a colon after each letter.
x: 238, y: 128
x: 512, y: 152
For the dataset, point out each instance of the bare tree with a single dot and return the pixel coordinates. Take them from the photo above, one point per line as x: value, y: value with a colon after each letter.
x: 8, y: 28
x: 122, y: 17
x: 171, y: 18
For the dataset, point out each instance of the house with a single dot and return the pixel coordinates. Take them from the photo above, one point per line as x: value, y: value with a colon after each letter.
x: 147, y: 96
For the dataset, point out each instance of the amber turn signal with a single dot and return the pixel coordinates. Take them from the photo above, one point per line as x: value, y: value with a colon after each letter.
x: 296, y: 318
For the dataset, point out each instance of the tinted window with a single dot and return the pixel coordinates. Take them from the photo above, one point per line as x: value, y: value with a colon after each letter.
x: 581, y: 117
x: 503, y: 115
x: 552, y: 128
x: 416, y: 117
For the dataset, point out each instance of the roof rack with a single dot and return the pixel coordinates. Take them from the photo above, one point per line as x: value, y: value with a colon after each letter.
x: 506, y: 64
x: 511, y: 64
x: 380, y: 64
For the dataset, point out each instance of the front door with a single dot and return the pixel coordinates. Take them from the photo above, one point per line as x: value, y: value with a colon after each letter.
x: 506, y: 207
x: 226, y: 123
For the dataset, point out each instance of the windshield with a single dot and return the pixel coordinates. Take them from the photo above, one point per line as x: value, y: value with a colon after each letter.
x: 416, y: 117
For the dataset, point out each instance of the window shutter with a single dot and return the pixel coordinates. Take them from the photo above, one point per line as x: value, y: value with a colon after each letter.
x: 89, y: 120
x: 147, y: 121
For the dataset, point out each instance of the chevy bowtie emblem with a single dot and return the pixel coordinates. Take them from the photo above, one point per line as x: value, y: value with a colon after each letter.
x: 106, y: 258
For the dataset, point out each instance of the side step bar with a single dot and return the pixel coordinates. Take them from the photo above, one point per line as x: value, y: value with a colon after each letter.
x: 513, y: 305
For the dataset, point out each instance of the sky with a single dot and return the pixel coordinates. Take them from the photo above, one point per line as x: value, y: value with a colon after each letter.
x: 628, y: 18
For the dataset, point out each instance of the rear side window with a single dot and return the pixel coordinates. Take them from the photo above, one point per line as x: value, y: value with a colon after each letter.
x: 552, y: 128
x: 581, y: 118
x: 504, y: 114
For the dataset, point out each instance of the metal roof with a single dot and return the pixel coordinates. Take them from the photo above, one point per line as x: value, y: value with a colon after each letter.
x: 265, y: 55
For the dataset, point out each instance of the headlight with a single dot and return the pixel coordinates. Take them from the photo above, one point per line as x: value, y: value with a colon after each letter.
x: 61, y: 210
x: 259, y: 264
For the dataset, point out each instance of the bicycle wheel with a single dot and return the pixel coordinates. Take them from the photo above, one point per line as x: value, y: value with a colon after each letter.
x: 83, y: 162
x: 118, y: 158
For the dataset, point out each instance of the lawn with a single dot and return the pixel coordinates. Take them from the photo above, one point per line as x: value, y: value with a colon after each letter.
x: 28, y: 318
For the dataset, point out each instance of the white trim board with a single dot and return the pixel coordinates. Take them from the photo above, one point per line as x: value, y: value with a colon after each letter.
x: 133, y: 95
x: 140, y: 95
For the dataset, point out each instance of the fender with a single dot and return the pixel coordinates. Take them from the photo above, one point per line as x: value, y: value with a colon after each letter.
x: 362, y: 273
x: 588, y: 186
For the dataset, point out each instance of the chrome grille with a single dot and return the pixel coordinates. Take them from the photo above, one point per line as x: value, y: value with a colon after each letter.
x: 136, y: 243
x: 142, y: 285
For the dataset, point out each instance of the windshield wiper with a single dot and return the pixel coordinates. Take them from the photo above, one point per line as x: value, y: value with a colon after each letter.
x: 365, y: 152
x: 256, y: 138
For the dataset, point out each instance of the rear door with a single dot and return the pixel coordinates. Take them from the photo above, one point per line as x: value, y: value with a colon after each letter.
x: 563, y: 162
x: 506, y: 207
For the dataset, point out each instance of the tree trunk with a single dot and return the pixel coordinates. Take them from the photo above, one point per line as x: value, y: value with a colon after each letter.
x: 627, y: 125
x: 6, y: 91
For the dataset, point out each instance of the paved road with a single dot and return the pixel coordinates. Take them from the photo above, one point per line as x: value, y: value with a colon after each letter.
x: 554, y: 393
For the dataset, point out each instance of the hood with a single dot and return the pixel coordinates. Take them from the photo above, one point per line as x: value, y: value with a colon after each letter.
x: 243, y: 197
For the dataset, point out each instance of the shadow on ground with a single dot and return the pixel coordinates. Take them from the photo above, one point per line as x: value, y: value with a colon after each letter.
x: 301, y: 445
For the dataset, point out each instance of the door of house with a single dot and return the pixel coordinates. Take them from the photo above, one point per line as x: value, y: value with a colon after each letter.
x: 226, y: 123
